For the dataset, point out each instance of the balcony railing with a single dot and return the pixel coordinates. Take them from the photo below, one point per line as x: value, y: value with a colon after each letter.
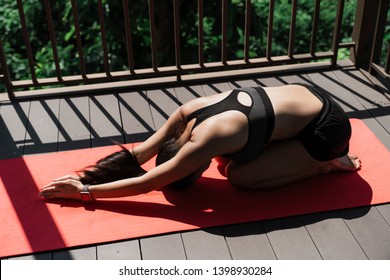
x: 369, y: 32
x: 366, y: 46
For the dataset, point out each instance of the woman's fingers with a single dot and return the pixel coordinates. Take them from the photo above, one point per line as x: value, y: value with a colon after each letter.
x: 47, y: 189
x: 67, y: 177
x: 49, y: 192
x: 64, y: 181
x: 65, y: 188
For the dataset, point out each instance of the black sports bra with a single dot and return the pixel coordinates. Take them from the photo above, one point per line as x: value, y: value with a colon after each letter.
x: 260, y: 120
x: 229, y: 103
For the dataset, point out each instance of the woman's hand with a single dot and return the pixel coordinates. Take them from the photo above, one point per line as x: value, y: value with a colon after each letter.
x: 65, y: 187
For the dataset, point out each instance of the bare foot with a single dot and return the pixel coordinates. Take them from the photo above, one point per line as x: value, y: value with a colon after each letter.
x: 348, y: 162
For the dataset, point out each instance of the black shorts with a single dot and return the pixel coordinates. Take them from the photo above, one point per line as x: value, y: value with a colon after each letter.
x: 327, y: 136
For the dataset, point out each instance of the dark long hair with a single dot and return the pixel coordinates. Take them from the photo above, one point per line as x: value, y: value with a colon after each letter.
x: 168, y: 150
x: 117, y: 166
x: 123, y: 164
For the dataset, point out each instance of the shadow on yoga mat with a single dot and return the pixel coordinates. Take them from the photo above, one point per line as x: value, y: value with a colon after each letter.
x: 213, y: 202
x: 30, y: 224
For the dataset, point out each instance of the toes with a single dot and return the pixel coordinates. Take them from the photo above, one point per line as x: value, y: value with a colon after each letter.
x: 357, y: 163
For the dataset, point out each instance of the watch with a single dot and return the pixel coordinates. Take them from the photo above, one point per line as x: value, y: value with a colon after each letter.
x: 85, y: 195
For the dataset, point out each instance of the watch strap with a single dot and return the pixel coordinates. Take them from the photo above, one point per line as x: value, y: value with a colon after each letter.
x: 85, y: 188
x: 85, y: 194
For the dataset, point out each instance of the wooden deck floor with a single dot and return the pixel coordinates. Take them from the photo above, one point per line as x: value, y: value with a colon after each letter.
x: 51, y: 125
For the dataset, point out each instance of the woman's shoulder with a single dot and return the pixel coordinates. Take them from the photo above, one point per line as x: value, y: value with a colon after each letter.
x: 200, y: 102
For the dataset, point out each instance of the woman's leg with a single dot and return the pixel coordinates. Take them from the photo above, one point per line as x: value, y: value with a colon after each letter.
x: 284, y: 162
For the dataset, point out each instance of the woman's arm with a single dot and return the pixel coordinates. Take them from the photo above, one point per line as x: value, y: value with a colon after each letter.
x: 148, y: 149
x: 204, y: 145
x: 192, y: 156
x: 69, y: 187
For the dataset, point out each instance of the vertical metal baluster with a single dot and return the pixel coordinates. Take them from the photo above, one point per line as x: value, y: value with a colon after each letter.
x: 314, y: 33
x: 224, y: 31
x: 292, y: 29
x: 104, y: 38
x: 153, y: 34
x: 78, y: 39
x: 270, y: 29
x: 337, y: 31
x: 27, y: 43
x: 200, y: 33
x: 176, y: 17
x: 247, y: 29
x: 129, y: 44
x: 387, y: 64
x: 6, y: 74
x: 52, y: 35
x: 379, y: 33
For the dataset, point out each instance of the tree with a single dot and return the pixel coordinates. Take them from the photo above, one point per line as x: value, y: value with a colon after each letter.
x: 10, y: 32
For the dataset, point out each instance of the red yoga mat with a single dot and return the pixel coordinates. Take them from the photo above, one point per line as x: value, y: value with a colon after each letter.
x: 29, y: 224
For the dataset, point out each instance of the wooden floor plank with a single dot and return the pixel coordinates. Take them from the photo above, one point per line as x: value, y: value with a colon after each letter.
x: 74, y: 124
x: 162, y: 103
x: 39, y: 256
x: 43, y: 126
x: 370, y: 230
x: 332, y: 237
x: 244, y: 83
x: 164, y: 247
x: 248, y: 242
x: 329, y: 82
x: 188, y: 93
x: 207, y: 244
x: 88, y: 253
x: 13, y: 128
x: 136, y: 116
x: 290, y: 239
x: 375, y: 102
x: 214, y: 88
x: 363, y: 89
x: 270, y: 82
x: 123, y: 250
x: 384, y: 210
x: 290, y: 79
x: 106, y: 124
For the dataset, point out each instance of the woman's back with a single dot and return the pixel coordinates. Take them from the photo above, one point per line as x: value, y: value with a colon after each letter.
x: 294, y: 107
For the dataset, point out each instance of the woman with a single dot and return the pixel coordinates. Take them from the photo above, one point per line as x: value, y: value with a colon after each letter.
x: 261, y: 137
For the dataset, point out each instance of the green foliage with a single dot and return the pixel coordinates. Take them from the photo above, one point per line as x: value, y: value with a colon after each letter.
x: 10, y: 32
x: 386, y: 39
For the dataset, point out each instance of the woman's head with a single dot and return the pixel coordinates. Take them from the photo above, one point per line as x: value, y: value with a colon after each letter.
x: 168, y: 150
x: 117, y: 166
